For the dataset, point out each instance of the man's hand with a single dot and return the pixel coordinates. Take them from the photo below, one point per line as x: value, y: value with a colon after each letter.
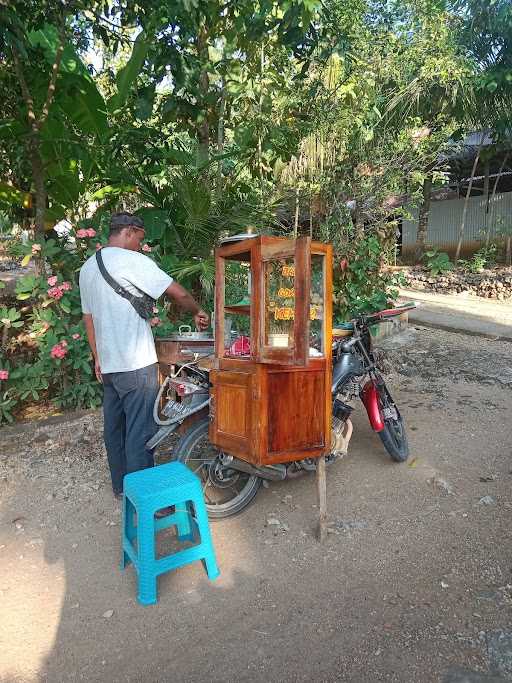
x: 186, y: 301
x: 91, y: 338
x: 201, y: 320
x: 97, y: 371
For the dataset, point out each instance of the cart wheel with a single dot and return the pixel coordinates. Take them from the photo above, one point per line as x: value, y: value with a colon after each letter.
x: 226, y: 491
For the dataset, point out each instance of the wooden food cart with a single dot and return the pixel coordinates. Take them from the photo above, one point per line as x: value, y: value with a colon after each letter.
x: 271, y: 385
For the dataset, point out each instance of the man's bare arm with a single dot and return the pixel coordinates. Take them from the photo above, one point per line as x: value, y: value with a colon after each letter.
x: 186, y: 301
x: 91, y: 338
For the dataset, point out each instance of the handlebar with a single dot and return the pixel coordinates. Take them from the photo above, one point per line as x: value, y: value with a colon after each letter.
x: 364, y: 319
x: 381, y: 316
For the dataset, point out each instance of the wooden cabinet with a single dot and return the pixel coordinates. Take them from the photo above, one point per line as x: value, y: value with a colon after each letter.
x: 271, y: 382
x: 232, y: 411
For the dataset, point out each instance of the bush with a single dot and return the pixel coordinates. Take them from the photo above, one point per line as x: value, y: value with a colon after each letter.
x: 482, y: 258
x: 438, y: 262
x: 360, y: 285
x: 44, y: 351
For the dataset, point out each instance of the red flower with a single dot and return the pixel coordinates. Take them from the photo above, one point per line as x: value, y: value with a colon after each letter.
x: 56, y: 293
x: 59, y: 350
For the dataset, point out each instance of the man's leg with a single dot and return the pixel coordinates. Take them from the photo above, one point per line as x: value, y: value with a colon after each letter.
x: 114, y: 429
x: 138, y: 408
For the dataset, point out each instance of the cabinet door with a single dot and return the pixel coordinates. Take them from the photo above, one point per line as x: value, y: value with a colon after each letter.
x: 285, y: 302
x: 230, y: 412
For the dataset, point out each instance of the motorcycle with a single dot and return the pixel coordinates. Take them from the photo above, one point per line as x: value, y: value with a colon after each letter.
x: 230, y: 484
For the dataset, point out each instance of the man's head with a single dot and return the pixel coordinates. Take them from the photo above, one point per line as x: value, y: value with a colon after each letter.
x: 126, y: 231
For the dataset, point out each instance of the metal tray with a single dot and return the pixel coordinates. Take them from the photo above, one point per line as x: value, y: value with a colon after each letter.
x: 185, y: 334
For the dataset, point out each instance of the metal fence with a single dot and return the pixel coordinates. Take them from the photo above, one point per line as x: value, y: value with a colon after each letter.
x: 445, y: 218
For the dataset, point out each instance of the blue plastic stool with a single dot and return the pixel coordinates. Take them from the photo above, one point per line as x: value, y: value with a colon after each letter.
x: 146, y: 492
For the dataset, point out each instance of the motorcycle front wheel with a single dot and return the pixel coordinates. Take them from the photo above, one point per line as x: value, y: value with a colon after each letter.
x: 393, y: 435
x: 226, y: 491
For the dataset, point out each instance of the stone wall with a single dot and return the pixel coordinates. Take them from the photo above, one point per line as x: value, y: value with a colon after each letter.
x: 490, y: 284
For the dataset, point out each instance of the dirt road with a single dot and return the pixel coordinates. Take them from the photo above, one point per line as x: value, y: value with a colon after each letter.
x: 414, y: 582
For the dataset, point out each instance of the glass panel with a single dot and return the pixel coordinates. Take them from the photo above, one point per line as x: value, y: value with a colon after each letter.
x: 237, y: 307
x: 279, y: 302
x: 316, y: 307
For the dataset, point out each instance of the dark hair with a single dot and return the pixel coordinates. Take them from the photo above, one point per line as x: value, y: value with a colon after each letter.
x: 119, y: 221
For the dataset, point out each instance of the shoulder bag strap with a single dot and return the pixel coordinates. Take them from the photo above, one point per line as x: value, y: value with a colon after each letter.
x: 110, y: 280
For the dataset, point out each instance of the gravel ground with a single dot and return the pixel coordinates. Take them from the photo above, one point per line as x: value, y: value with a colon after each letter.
x: 414, y: 582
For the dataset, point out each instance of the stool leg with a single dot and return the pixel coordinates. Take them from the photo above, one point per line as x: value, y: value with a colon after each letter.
x: 209, y: 561
x: 193, y: 521
x: 183, y: 522
x: 146, y: 556
x: 128, y: 529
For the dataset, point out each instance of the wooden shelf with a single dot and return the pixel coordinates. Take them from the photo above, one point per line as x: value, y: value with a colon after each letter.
x: 238, y: 309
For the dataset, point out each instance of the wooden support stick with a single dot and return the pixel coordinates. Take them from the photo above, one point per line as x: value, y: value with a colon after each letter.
x: 321, y: 485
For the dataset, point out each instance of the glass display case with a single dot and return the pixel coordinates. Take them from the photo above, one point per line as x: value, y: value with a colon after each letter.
x: 271, y: 384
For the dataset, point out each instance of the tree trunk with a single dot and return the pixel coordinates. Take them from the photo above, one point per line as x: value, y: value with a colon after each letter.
x: 260, y: 113
x: 296, y: 221
x: 487, y: 171
x: 466, y: 201
x: 34, y: 140
x: 203, y: 130
x: 508, y: 252
x: 492, y: 206
x: 38, y: 178
x: 423, y: 216
x: 220, y: 139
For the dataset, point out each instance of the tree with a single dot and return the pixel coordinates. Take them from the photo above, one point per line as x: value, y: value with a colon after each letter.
x: 55, y: 98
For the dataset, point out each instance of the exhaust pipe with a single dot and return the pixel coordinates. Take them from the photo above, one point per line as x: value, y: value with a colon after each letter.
x: 269, y: 472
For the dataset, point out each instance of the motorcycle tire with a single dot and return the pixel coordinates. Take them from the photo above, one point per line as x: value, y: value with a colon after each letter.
x: 193, y: 443
x: 393, y: 436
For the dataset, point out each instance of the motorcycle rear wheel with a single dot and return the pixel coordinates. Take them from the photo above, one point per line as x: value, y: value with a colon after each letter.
x: 393, y: 435
x: 226, y: 491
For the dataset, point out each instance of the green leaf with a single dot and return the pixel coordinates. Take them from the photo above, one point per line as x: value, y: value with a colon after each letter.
x: 10, y: 129
x: 65, y: 307
x: 83, y: 104
x: 10, y: 195
x: 47, y: 38
x: 24, y: 296
x: 155, y: 222
x: 112, y: 191
x: 128, y: 75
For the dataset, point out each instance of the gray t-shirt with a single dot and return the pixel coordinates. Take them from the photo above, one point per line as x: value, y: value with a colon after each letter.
x: 124, y: 340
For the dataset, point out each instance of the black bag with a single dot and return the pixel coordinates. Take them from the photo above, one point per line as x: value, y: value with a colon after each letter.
x: 142, y: 304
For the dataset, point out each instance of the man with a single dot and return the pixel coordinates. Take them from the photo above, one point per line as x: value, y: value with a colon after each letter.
x: 122, y: 343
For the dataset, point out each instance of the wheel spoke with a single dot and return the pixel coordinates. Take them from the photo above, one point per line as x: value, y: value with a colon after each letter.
x: 222, y: 487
